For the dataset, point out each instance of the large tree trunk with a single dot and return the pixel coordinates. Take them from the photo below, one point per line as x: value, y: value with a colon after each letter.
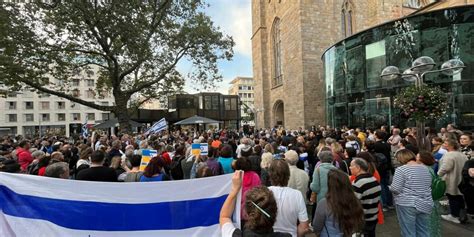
x: 122, y: 114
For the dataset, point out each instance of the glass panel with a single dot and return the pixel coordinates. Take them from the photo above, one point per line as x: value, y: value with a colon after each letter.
x: 329, y: 66
x: 339, y: 78
x: 207, y: 102
x: 378, y: 111
x: 215, y: 102
x: 340, y: 115
x: 356, y: 114
x: 434, y: 43
x: 355, y: 69
x: 375, y: 62
x: 233, y: 104
x: 227, y: 103
x: 466, y: 49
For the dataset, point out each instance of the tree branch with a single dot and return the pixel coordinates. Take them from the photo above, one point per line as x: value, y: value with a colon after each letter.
x: 153, y: 26
x: 150, y: 83
x: 66, y: 96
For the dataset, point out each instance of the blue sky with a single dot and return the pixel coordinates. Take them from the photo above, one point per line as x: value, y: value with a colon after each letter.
x: 234, y: 17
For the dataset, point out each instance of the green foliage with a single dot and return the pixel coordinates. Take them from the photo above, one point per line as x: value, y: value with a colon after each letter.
x: 422, y: 103
x: 131, y: 46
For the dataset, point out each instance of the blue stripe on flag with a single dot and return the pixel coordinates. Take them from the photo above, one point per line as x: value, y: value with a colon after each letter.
x: 99, y: 216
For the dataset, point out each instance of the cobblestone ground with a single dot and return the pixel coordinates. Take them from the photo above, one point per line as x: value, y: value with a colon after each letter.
x: 392, y: 229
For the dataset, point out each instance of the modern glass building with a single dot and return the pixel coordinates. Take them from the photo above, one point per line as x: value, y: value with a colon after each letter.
x: 357, y: 97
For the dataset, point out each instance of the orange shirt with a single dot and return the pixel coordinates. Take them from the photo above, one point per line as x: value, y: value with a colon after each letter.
x: 216, y: 143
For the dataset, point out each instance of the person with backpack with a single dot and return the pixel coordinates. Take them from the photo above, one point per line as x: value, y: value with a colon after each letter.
x: 411, y: 188
x: 176, y: 170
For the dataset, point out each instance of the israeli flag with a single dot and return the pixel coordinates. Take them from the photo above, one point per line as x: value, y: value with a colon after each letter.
x: 39, y: 206
x: 158, y: 127
x: 85, y: 130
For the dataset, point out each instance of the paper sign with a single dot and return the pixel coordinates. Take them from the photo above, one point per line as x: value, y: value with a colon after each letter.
x: 146, y: 157
x: 204, y: 149
x: 200, y: 149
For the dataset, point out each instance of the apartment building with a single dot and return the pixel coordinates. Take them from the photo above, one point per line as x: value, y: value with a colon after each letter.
x: 244, y: 88
x: 30, y: 113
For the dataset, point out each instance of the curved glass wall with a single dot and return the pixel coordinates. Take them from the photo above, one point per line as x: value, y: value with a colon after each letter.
x: 357, y: 97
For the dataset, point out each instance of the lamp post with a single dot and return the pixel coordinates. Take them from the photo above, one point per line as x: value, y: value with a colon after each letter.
x: 420, y: 67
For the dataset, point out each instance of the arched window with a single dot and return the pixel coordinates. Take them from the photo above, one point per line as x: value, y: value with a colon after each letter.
x: 347, y: 18
x: 276, y: 43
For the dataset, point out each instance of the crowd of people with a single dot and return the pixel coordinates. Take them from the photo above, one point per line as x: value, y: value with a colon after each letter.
x: 347, y: 177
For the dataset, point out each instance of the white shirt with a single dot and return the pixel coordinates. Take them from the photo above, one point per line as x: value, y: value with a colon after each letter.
x: 291, y: 208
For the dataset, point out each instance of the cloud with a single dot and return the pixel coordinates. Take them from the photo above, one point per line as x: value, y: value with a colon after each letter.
x: 235, y: 19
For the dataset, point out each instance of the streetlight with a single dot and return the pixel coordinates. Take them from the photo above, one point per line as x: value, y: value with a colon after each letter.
x: 420, y: 67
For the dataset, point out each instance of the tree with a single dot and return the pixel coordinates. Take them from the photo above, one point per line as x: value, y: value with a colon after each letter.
x: 133, y: 47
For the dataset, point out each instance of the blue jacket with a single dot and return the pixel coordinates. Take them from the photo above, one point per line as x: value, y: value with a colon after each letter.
x: 320, y: 180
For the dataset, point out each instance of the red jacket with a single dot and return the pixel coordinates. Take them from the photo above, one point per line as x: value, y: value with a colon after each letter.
x: 24, y: 158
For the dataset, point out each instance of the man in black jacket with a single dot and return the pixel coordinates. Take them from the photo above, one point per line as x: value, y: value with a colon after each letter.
x: 381, y: 147
x: 97, y: 171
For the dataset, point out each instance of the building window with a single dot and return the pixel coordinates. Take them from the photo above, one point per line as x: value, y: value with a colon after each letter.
x: 105, y: 116
x: 61, y: 117
x: 276, y: 42
x: 90, y: 94
x: 11, y: 105
x: 90, y: 116
x: 226, y: 103
x: 29, y: 118
x: 45, y: 117
x: 76, y: 116
x: 61, y: 105
x: 76, y: 93
x: 11, y: 118
x: 44, y: 104
x: 90, y: 82
x: 75, y: 82
x: 29, y: 105
x: 215, y: 102
x: 347, y: 23
x: 104, y: 103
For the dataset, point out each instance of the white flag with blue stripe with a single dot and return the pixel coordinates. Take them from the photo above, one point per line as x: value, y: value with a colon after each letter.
x: 38, y: 206
x: 157, y: 127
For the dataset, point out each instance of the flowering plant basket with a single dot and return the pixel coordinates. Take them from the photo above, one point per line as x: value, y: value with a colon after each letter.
x: 422, y: 103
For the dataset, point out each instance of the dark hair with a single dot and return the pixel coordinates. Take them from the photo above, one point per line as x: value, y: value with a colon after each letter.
x: 44, y: 161
x: 23, y: 143
x: 154, y: 167
x: 244, y: 164
x: 344, y: 205
x: 279, y: 172
x: 135, y: 160
x: 351, y: 152
x: 226, y: 151
x: 97, y: 156
x: 380, y: 134
x: 370, y: 145
x: 404, y: 142
x: 263, y: 198
x: 426, y: 158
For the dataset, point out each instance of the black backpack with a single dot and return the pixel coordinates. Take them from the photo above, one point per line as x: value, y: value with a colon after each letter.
x: 382, y: 161
x: 175, y: 168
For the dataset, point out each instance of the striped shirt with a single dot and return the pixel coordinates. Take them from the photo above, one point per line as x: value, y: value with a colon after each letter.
x: 411, y: 187
x: 368, y: 190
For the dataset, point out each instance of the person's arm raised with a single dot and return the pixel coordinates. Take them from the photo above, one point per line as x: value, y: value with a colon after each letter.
x: 229, y: 204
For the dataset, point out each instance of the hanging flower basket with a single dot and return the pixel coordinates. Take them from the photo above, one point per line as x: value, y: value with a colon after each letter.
x: 422, y: 103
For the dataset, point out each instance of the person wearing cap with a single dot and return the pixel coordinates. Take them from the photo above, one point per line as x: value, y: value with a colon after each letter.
x: 298, y: 178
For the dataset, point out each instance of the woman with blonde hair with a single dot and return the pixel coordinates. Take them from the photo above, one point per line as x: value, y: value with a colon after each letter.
x: 267, y: 159
x: 269, y: 148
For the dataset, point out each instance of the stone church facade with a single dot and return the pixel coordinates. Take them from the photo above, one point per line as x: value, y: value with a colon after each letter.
x: 288, y: 39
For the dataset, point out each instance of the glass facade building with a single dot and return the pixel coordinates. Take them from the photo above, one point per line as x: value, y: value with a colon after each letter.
x: 357, y: 97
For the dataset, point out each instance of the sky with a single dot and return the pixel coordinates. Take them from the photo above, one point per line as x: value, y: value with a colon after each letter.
x: 234, y: 17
